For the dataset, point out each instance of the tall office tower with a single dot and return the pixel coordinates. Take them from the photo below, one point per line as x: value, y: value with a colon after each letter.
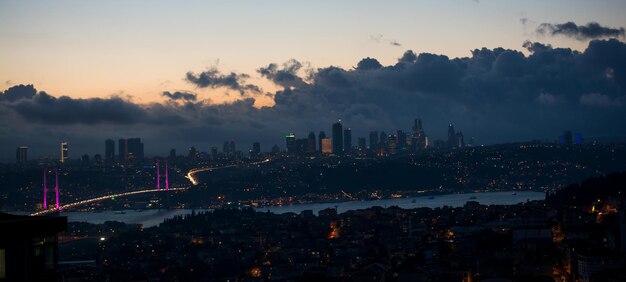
x: 310, y: 146
x: 327, y: 147
x: 451, y: 136
x: 193, y: 152
x: 226, y: 150
x: 401, y: 141
x: 21, y: 154
x: 460, y: 142
x: 383, y: 138
x: 321, y: 136
x: 568, y: 139
x: 122, y: 149
x: 172, y: 154
x: 290, y: 141
x: 64, y: 151
x: 373, y: 140
x: 337, y: 138
x: 392, y: 143
x: 419, y: 136
x: 256, y: 148
x: 362, y: 143
x: 109, y: 150
x: 347, y: 140
x: 214, y: 153
x: 134, y: 150
x: 232, y: 149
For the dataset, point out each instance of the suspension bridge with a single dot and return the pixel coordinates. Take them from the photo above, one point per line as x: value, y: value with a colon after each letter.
x: 190, y: 175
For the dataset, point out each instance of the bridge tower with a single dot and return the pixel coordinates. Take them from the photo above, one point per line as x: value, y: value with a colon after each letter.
x: 45, y: 189
x: 167, y: 180
x: 56, y: 189
x: 158, y: 176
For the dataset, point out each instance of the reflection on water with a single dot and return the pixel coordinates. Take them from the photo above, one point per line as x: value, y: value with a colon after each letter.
x: 153, y: 217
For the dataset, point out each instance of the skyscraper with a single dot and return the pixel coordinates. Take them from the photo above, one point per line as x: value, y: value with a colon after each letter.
x: 290, y: 140
x: 327, y: 147
x: 347, y: 139
x: 172, y: 154
x: 419, y: 136
x: 451, y: 136
x: 337, y: 138
x: 568, y: 139
x: 362, y: 143
x: 310, y: 147
x: 64, y: 151
x: 122, y: 148
x: 256, y: 149
x: 320, y: 137
x: 373, y: 140
x: 21, y: 154
x: 401, y: 141
x: 109, y: 150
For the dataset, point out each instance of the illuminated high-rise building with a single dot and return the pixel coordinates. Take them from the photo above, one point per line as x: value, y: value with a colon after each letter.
x: 327, y: 147
x: 290, y: 140
x: 109, y: 150
x: 21, y: 154
x: 347, y: 140
x: 337, y: 138
x: 64, y: 151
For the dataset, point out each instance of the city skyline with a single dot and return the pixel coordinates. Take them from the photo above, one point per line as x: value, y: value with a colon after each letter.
x: 554, y: 72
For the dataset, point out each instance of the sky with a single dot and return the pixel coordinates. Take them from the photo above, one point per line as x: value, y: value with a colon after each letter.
x: 250, y: 71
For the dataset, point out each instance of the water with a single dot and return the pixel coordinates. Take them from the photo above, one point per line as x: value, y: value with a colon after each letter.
x: 150, y: 218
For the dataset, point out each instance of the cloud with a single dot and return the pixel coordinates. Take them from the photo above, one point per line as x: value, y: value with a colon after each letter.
x: 180, y: 96
x: 592, y: 30
x: 287, y: 76
x: 495, y: 95
x: 395, y: 43
x: 213, y: 78
x: 600, y: 100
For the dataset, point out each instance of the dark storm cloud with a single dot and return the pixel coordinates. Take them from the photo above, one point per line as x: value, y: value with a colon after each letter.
x: 592, y: 30
x: 496, y: 95
x: 180, y: 96
x: 213, y: 78
x: 287, y: 76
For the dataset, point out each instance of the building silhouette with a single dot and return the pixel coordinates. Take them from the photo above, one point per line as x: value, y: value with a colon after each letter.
x: 451, y: 136
x: 109, y: 150
x: 130, y: 149
x: 347, y: 140
x: 320, y: 137
x: 21, y: 154
x: 29, y: 247
x: 310, y: 147
x: 337, y: 138
x: 373, y: 140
